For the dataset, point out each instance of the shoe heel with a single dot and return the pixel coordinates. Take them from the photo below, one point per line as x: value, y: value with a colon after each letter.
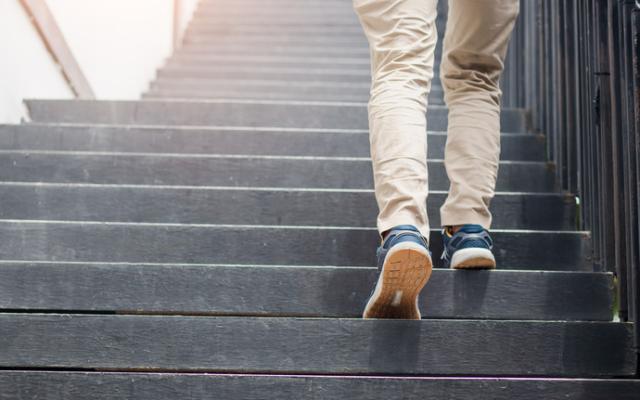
x: 406, y: 271
x: 473, y: 258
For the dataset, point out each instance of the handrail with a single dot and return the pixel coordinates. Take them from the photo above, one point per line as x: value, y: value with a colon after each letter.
x: 54, y: 41
x: 583, y: 89
x: 177, y: 18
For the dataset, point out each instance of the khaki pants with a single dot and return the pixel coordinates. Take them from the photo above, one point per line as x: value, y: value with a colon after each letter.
x: 402, y: 39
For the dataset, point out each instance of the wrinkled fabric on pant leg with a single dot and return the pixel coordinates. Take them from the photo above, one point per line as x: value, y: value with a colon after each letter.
x: 475, y: 46
x: 402, y: 39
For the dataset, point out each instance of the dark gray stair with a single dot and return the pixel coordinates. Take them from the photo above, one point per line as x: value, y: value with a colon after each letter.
x: 294, y: 114
x: 353, y: 41
x: 25, y: 240
x: 253, y: 206
x: 267, y: 89
x: 218, y: 71
x: 169, y: 386
x: 235, y: 170
x: 308, y: 17
x: 281, y: 93
x: 352, y: 61
x: 278, y: 67
x: 320, y: 291
x: 207, y: 29
x: 283, y: 345
x: 210, y: 50
x: 231, y: 140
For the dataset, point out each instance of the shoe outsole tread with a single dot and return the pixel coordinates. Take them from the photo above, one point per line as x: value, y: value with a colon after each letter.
x: 406, y: 270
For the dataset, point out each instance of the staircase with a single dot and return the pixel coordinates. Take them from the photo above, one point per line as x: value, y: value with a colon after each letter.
x: 216, y: 240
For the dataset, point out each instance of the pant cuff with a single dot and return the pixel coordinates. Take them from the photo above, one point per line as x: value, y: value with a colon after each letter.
x: 407, y: 219
x: 453, y: 218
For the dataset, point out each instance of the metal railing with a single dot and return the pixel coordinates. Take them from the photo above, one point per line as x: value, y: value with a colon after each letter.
x: 575, y: 65
x: 54, y: 41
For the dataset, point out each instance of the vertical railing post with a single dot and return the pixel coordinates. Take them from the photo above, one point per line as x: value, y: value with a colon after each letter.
x: 582, y: 86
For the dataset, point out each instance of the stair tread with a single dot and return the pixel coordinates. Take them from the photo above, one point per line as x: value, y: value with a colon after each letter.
x: 232, y: 140
x: 283, y: 93
x: 269, y: 290
x: 307, y: 114
x: 201, y: 386
x: 235, y: 170
x: 261, y: 244
x: 254, y: 205
x: 317, y: 345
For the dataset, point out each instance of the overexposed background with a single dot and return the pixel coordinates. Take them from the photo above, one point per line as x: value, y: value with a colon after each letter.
x: 119, y: 44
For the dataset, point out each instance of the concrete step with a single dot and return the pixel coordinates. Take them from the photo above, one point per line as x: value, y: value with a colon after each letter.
x: 201, y: 386
x: 80, y: 241
x: 232, y: 140
x: 266, y: 90
x: 350, y: 64
x: 339, y: 64
x: 276, y: 8
x: 269, y: 290
x: 321, y: 17
x: 281, y: 50
x: 298, y: 114
x: 210, y: 84
x: 269, y: 9
x: 359, y: 41
x: 253, y: 206
x: 235, y: 170
x: 231, y: 72
x: 338, y: 21
x: 257, y: 95
x: 317, y: 346
x: 207, y: 28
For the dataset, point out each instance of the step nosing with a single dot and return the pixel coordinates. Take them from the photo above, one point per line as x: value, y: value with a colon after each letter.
x: 226, y: 156
x: 340, y: 268
x: 257, y: 226
x: 234, y: 101
x: 243, y: 188
x: 335, y: 320
x: 212, y: 128
x: 230, y: 128
x: 342, y: 376
x: 260, y: 82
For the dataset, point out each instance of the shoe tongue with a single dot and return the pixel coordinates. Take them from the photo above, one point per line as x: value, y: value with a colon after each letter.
x: 471, y: 229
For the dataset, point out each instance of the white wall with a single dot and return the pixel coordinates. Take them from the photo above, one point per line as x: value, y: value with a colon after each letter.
x: 119, y: 45
x: 26, y: 68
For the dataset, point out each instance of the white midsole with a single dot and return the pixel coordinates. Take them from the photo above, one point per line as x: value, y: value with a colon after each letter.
x: 462, y: 255
x: 380, y: 282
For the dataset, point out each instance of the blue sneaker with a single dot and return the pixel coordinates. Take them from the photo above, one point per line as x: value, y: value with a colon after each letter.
x: 469, y: 248
x: 404, y: 265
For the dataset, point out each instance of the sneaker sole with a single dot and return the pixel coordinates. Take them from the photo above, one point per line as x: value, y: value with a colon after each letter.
x: 473, y: 258
x: 406, y: 270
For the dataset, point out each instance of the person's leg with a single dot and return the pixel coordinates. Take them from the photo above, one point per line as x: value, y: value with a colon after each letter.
x: 402, y: 38
x: 475, y: 47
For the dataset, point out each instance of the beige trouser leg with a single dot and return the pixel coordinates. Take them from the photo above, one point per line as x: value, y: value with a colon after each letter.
x: 402, y: 38
x: 475, y: 47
